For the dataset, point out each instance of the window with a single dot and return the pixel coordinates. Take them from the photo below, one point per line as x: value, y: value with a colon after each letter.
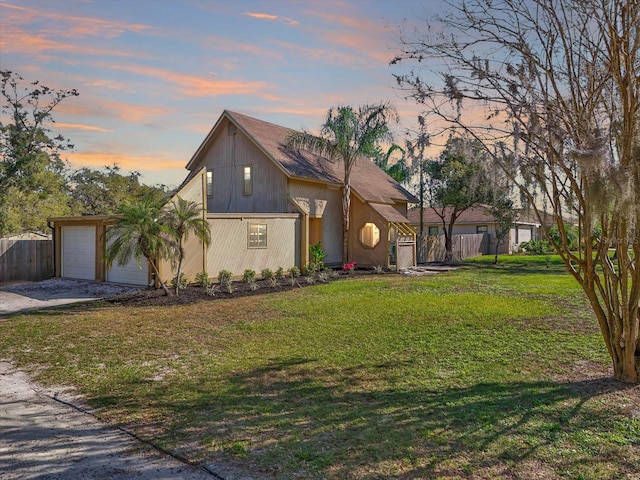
x: 257, y: 235
x: 209, y: 183
x: 369, y: 235
x: 482, y: 229
x: 247, y: 180
x: 433, y: 230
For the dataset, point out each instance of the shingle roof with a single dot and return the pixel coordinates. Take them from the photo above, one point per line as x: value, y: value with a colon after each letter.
x: 367, y: 180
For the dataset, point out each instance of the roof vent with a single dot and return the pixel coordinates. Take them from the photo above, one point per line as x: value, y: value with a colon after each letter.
x: 231, y: 129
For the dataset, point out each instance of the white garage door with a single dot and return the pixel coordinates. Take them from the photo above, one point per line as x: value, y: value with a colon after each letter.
x: 130, y: 273
x: 79, y: 252
x: 524, y: 234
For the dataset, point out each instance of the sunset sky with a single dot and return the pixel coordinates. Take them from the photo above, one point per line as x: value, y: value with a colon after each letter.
x: 155, y: 75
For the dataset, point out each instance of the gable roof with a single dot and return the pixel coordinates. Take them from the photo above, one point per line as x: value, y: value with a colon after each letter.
x: 368, y: 181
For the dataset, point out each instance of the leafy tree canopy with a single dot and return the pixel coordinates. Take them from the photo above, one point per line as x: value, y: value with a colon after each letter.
x: 101, y: 192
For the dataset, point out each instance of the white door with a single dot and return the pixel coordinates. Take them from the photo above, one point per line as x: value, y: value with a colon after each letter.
x: 79, y: 252
x: 130, y: 273
x: 524, y: 234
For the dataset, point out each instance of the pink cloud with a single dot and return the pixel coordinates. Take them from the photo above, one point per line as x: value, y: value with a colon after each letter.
x: 79, y: 126
x: 97, y: 159
x: 194, y: 86
x: 15, y: 40
x: 70, y: 25
x: 267, y: 16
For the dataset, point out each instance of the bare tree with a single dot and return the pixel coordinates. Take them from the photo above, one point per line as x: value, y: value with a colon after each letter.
x: 552, y: 90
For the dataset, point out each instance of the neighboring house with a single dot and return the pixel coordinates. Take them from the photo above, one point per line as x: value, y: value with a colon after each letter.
x: 478, y: 220
x: 266, y: 205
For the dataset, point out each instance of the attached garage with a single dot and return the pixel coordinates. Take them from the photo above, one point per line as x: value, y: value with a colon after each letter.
x: 129, y: 274
x: 79, y: 245
x: 78, y: 252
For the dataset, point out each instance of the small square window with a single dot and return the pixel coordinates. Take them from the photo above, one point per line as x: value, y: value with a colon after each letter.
x: 257, y: 235
x: 433, y: 230
x: 209, y: 183
x: 247, y: 180
x: 482, y: 229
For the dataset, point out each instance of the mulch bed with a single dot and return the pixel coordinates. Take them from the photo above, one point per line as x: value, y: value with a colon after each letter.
x: 194, y: 293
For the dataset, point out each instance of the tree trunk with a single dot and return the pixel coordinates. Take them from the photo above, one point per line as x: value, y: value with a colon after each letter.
x: 346, y: 207
x: 448, y: 248
x: 448, y: 242
x: 154, y: 267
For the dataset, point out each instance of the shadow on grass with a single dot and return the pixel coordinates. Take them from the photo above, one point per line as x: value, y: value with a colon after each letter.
x: 291, y: 417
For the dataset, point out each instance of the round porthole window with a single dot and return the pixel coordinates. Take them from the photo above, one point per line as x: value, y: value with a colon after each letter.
x: 370, y: 235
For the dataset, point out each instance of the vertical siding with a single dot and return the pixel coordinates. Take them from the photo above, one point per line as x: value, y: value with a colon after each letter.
x: 331, y: 217
x: 229, y: 250
x: 226, y: 158
x: 364, y: 256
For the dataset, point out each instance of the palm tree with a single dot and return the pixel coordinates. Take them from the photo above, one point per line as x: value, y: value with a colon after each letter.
x: 346, y: 135
x: 138, y: 232
x: 184, y: 217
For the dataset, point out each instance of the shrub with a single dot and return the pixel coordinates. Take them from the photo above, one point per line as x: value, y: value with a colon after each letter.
x: 184, y: 281
x: 248, y: 276
x: 378, y: 269
x: 310, y: 279
x: 536, y: 247
x: 267, y: 274
x: 324, y: 276
x: 224, y: 277
x: 202, y: 279
x: 293, y: 272
x: 349, y: 267
x: 212, y: 289
x: 253, y: 285
x: 279, y: 273
x: 317, y: 257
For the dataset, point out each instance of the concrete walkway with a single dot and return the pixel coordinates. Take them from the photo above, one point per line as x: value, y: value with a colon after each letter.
x: 41, y: 438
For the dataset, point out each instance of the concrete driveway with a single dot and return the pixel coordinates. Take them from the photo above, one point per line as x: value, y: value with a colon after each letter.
x: 20, y: 297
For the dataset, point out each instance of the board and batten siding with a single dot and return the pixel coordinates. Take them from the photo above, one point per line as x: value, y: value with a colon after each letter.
x: 230, y: 151
x: 331, y: 216
x: 229, y: 243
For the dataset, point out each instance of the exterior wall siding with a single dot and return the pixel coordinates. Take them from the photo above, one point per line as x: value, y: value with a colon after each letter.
x: 194, y: 260
x: 364, y: 256
x: 229, y: 243
x: 331, y: 217
x: 228, y: 155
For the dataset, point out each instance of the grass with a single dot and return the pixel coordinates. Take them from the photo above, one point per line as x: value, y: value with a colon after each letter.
x: 485, y: 372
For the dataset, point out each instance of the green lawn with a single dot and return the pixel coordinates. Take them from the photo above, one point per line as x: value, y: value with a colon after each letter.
x: 484, y: 372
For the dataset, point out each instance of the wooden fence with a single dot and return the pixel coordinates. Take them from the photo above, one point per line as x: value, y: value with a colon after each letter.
x: 27, y: 260
x: 431, y: 247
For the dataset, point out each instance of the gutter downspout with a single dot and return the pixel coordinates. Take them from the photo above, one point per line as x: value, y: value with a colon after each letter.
x: 53, y: 239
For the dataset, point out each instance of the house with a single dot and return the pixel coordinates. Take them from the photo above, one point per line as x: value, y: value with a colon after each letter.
x: 265, y: 206
x: 476, y: 220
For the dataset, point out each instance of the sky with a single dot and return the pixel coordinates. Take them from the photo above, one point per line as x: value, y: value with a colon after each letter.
x: 153, y: 76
